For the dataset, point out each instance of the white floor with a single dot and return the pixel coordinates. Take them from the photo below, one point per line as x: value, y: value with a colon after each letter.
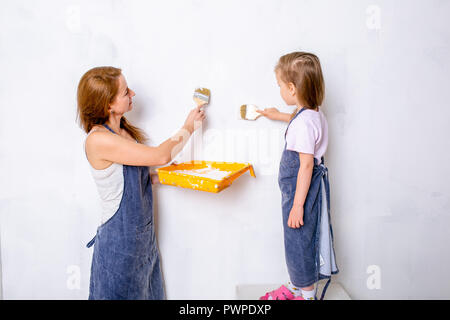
x: 335, y: 291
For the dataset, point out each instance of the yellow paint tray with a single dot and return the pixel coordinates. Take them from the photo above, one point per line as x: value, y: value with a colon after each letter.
x: 186, y: 174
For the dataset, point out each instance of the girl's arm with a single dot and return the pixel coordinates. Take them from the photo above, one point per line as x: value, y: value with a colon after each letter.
x: 303, y: 182
x: 274, y: 114
x: 114, y: 148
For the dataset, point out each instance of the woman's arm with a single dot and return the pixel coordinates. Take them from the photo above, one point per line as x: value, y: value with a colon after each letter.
x: 303, y: 182
x: 114, y: 148
x: 274, y: 114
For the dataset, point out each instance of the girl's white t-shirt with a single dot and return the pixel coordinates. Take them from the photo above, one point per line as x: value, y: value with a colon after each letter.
x: 308, y: 133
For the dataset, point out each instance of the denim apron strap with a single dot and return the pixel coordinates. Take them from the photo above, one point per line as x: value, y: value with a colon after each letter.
x: 90, y: 243
x: 107, y: 127
x: 324, y: 290
x: 296, y: 115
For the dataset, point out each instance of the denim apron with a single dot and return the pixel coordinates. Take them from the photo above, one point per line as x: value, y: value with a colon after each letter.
x: 309, y: 250
x: 125, y: 263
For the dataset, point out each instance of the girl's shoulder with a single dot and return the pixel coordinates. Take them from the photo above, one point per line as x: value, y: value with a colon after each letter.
x: 309, y: 113
x: 309, y: 121
x: 311, y: 117
x: 306, y: 117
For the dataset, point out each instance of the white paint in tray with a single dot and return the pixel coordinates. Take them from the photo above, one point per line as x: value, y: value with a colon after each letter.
x: 211, y: 173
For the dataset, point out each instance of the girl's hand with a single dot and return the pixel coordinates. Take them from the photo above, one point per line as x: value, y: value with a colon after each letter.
x: 295, y: 220
x: 194, y: 119
x: 271, y: 113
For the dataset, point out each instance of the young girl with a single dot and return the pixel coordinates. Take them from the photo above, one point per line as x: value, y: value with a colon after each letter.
x: 303, y: 178
x: 125, y: 262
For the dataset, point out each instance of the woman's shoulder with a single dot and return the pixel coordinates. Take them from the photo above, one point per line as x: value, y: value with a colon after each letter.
x: 98, y: 139
x: 98, y: 135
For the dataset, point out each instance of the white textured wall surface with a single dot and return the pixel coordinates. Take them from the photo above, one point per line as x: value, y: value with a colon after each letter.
x: 386, y: 67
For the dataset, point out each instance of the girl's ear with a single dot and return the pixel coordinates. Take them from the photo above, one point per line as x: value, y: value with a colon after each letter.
x: 292, y: 89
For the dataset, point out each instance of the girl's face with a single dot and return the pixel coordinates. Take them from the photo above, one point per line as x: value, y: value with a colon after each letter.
x: 123, y: 100
x: 287, y: 91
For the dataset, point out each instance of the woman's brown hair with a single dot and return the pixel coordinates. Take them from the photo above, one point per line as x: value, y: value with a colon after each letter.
x: 304, y: 71
x: 96, y: 91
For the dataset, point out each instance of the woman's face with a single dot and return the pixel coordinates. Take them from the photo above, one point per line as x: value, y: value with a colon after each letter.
x: 123, y: 100
x: 287, y: 91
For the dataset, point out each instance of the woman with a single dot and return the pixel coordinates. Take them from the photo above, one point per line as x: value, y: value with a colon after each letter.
x: 125, y: 263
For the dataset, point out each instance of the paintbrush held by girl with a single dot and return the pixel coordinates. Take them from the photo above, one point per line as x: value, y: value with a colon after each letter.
x: 303, y: 179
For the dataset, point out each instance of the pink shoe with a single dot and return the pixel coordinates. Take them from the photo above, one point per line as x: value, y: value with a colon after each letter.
x: 282, y: 293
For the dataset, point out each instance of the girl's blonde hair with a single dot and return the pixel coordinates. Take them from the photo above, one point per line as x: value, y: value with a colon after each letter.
x: 304, y: 71
x: 97, y: 89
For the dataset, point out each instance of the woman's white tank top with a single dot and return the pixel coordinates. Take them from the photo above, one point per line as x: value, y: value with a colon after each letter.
x: 109, y: 183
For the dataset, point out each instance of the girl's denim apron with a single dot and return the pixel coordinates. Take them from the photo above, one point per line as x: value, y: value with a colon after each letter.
x: 309, y: 250
x: 125, y: 263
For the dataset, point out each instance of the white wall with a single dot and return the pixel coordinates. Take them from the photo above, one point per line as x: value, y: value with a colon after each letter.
x: 387, y: 107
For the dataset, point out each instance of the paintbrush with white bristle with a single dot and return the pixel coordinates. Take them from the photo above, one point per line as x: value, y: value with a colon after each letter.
x: 201, y: 96
x: 248, y: 112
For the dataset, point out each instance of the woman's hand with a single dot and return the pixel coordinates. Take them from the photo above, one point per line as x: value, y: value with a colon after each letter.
x: 154, y: 178
x: 271, y: 113
x: 295, y: 220
x: 194, y: 119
